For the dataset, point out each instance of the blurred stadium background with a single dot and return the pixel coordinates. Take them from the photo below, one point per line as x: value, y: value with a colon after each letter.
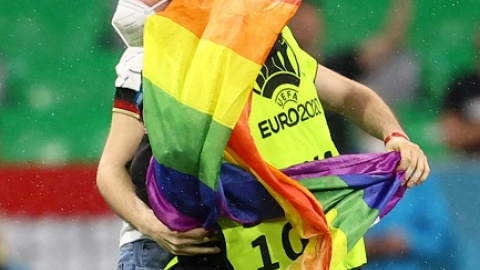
x: 58, y: 62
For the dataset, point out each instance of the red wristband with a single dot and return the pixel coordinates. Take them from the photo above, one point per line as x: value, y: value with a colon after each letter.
x: 395, y: 134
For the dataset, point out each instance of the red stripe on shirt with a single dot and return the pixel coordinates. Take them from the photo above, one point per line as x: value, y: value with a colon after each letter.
x: 125, y: 105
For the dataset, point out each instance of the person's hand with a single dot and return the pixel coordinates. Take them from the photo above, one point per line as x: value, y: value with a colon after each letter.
x: 373, y: 53
x: 413, y: 160
x: 392, y: 244
x: 182, y: 243
x: 460, y: 133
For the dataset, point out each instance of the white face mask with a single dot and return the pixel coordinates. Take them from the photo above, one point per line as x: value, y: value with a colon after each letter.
x: 129, y: 20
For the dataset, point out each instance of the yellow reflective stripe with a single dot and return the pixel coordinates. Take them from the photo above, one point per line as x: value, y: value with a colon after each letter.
x: 172, y: 263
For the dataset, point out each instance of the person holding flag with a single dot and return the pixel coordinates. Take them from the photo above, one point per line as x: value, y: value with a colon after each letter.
x: 284, y: 115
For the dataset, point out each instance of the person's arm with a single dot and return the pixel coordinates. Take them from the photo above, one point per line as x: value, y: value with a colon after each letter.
x: 365, y: 108
x: 375, y: 49
x: 118, y: 190
x: 414, y: 233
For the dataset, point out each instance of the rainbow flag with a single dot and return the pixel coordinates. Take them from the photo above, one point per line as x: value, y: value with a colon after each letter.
x: 201, y: 61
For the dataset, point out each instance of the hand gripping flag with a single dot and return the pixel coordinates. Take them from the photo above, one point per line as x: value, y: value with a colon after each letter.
x: 201, y: 61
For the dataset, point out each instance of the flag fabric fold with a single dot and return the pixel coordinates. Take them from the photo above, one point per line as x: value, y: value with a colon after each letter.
x: 201, y: 61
